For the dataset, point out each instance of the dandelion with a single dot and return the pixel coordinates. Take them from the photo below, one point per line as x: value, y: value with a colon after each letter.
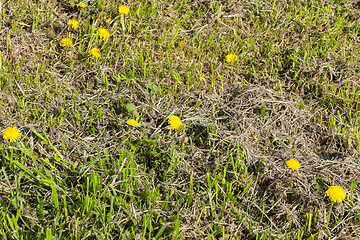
x: 104, y: 33
x: 231, y: 58
x: 65, y: 42
x: 181, y: 43
x: 73, y: 23
x: 82, y: 5
x: 336, y: 194
x: 12, y: 134
x: 294, y: 165
x: 124, y: 10
x: 132, y: 122
x: 174, y: 122
x: 96, y: 52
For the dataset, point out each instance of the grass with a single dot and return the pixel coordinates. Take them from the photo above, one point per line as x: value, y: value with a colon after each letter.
x: 80, y: 172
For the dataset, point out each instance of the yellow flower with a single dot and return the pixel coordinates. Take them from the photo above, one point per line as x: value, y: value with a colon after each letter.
x: 95, y: 52
x: 82, y: 5
x: 74, y: 24
x: 104, y: 33
x: 293, y: 164
x: 181, y: 43
x: 132, y: 122
x: 12, y: 134
x: 65, y: 42
x: 124, y: 10
x: 336, y: 193
x: 231, y: 58
x: 174, y: 122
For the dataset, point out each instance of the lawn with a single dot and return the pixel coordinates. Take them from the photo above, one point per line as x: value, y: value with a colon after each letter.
x: 220, y: 95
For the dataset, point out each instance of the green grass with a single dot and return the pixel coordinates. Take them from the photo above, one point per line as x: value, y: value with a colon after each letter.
x: 80, y: 172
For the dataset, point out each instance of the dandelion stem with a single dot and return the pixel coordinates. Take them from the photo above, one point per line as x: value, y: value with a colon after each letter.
x: 291, y: 179
x: 328, y: 219
x: 12, y: 155
x: 122, y: 22
x: 131, y: 135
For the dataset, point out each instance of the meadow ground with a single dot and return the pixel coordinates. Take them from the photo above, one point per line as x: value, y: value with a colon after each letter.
x: 79, y: 171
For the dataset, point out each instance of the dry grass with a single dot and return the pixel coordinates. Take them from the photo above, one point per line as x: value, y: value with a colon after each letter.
x: 80, y: 171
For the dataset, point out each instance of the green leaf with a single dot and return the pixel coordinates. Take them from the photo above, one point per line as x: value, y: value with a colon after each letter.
x: 151, y: 89
x: 130, y: 107
x: 262, y: 111
x: 24, y: 169
x: 55, y: 198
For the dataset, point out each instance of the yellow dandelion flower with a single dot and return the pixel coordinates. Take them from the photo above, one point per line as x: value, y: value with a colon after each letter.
x: 82, y: 5
x: 12, y: 134
x: 231, y: 58
x: 181, y: 43
x: 124, y: 10
x: 132, y: 122
x: 73, y: 23
x: 174, y: 122
x: 104, y: 33
x: 65, y: 42
x: 96, y: 52
x: 293, y: 164
x: 336, y: 193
